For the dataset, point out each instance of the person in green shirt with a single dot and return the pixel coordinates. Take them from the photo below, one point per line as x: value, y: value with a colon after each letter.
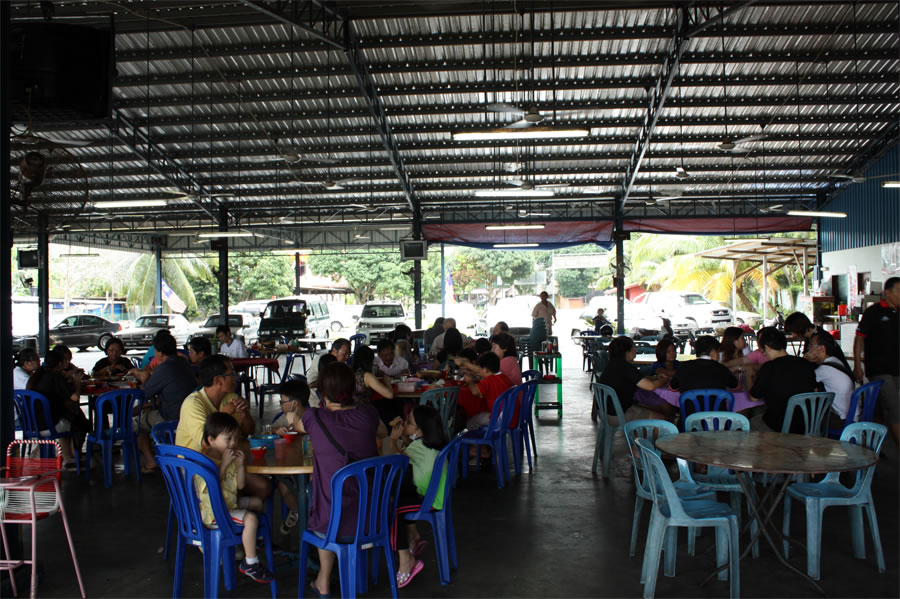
x: 421, y: 438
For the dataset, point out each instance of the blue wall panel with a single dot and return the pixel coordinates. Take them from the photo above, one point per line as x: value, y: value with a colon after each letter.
x: 873, y: 212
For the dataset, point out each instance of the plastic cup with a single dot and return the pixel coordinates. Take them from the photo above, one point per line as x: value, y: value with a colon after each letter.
x: 280, y: 448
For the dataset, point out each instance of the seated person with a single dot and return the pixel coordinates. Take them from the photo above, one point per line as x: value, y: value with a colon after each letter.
x: 218, y: 382
x: 504, y: 345
x: 115, y: 363
x: 781, y: 377
x: 199, y: 348
x: 834, y: 374
x: 666, y: 329
x: 404, y: 333
x: 625, y: 379
x: 666, y: 358
x: 440, y: 341
x: 294, y: 401
x: 706, y: 372
x: 172, y: 380
x: 485, y: 383
x: 451, y: 346
x: 340, y: 349
x: 72, y: 373
x: 228, y: 345
x: 482, y: 345
x: 27, y: 362
x: 386, y: 362
x: 500, y: 327
x: 401, y: 350
x: 148, y: 364
x: 220, y: 436
x: 433, y: 331
x: 600, y: 321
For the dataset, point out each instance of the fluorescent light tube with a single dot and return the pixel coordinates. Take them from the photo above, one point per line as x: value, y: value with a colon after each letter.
x: 511, y: 227
x: 891, y: 184
x: 523, y: 133
x: 516, y: 245
x: 817, y: 213
x: 130, y: 204
x: 224, y: 234
x: 514, y: 193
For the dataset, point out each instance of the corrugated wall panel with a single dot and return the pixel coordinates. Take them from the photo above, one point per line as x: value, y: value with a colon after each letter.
x: 873, y: 212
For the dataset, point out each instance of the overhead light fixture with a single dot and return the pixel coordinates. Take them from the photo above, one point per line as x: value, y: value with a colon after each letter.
x: 891, y: 184
x: 817, y: 213
x: 400, y: 228
x: 130, y: 204
x: 524, y: 133
x: 511, y: 227
x: 514, y: 193
x: 301, y: 251
x: 85, y: 255
x: 224, y: 234
x: 516, y: 245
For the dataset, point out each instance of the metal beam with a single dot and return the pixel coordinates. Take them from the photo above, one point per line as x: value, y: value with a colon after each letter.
x: 318, y: 19
x: 703, y: 18
x: 870, y: 154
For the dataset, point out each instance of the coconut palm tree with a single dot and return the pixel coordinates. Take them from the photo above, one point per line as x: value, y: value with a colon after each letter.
x: 142, y: 281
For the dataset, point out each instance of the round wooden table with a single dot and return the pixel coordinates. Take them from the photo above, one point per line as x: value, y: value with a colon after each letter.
x: 747, y: 452
x: 294, y: 463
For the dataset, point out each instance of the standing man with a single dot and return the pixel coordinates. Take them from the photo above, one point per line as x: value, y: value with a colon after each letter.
x: 546, y: 311
x: 878, y: 339
x: 340, y: 349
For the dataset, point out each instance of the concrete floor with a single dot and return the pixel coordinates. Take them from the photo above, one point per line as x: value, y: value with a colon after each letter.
x: 558, y: 531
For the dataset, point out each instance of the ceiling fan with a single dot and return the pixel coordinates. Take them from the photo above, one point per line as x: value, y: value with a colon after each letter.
x: 298, y: 156
x: 653, y: 200
x: 30, y: 138
x: 680, y: 173
x: 860, y: 178
x: 774, y: 209
x: 530, y: 117
x: 330, y: 184
x: 192, y: 196
x: 527, y: 185
x: 734, y: 145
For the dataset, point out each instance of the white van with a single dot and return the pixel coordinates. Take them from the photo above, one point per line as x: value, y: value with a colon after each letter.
x: 294, y: 317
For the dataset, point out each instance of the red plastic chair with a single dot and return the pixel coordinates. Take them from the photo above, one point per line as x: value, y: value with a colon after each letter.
x: 28, y: 493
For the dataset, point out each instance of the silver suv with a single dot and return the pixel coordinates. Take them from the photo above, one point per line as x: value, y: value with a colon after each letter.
x: 690, y: 306
x: 379, y: 318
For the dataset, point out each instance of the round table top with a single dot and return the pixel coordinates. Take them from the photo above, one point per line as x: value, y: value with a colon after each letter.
x: 775, y: 453
x: 293, y: 462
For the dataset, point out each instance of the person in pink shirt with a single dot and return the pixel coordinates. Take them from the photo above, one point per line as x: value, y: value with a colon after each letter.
x: 504, y: 346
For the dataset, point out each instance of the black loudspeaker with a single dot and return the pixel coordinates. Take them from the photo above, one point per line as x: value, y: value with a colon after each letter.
x: 28, y: 259
x: 59, y: 72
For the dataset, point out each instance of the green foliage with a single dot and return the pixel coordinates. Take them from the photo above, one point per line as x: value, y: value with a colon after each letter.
x: 141, y: 291
x: 480, y: 268
x: 369, y: 275
x: 259, y: 277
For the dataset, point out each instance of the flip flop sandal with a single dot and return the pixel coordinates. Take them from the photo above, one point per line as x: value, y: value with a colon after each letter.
x: 404, y: 578
x: 316, y: 592
x: 419, y: 548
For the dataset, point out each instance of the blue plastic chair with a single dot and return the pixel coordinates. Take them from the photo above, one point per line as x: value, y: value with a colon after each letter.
x: 441, y: 520
x: 34, y: 418
x: 830, y: 492
x: 356, y: 341
x: 378, y: 482
x: 530, y: 375
x: 705, y: 400
x: 180, y: 466
x: 723, y: 479
x: 163, y: 433
x: 444, y: 400
x: 494, y: 435
x: 604, y: 397
x: 670, y: 511
x: 814, y: 407
x: 522, y: 434
x: 685, y: 486
x: 867, y: 395
x: 121, y: 404
x: 262, y: 391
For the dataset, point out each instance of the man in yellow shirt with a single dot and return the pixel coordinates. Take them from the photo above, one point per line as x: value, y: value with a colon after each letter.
x: 219, y: 381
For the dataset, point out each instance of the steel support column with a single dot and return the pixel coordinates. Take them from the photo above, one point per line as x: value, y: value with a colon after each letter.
x: 443, y: 283
x: 7, y: 417
x: 157, y: 254
x: 765, y: 289
x: 417, y: 291
x: 43, y: 240
x: 620, y: 284
x: 222, y: 273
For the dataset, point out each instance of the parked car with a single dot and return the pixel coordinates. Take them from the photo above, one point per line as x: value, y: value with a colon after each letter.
x: 753, y: 320
x: 514, y: 311
x: 690, y: 306
x: 465, y: 314
x: 639, y: 318
x: 84, y: 331
x: 140, y: 336
x: 379, y: 318
x: 294, y: 317
x: 241, y: 325
x: 344, y: 316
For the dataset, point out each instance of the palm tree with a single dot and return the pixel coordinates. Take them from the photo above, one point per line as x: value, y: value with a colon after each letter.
x: 142, y: 283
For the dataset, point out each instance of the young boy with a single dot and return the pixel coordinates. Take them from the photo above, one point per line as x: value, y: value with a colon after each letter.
x: 220, y: 435
x: 485, y: 384
x: 294, y: 401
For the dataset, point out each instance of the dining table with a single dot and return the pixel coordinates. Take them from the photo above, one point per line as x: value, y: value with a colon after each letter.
x: 294, y: 462
x: 742, y: 399
x: 780, y: 456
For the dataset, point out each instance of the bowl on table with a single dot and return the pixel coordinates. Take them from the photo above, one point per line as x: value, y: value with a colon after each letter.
x: 290, y: 436
x: 267, y: 441
x: 258, y: 452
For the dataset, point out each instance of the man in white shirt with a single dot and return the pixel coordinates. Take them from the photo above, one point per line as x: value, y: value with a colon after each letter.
x: 228, y: 345
x: 387, y: 363
x: 545, y: 310
x: 835, y: 375
x: 340, y: 349
x: 438, y: 344
x: 27, y: 361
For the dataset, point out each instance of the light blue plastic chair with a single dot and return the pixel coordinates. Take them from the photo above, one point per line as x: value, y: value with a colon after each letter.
x: 444, y: 400
x: 670, y: 511
x: 494, y: 436
x: 814, y: 408
x: 830, y: 492
x: 685, y: 486
x: 441, y: 520
x: 375, y: 482
x: 122, y: 404
x: 180, y: 466
x: 867, y: 395
x: 604, y: 397
x: 163, y: 433
x: 722, y: 479
x: 705, y: 400
x: 35, y: 419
